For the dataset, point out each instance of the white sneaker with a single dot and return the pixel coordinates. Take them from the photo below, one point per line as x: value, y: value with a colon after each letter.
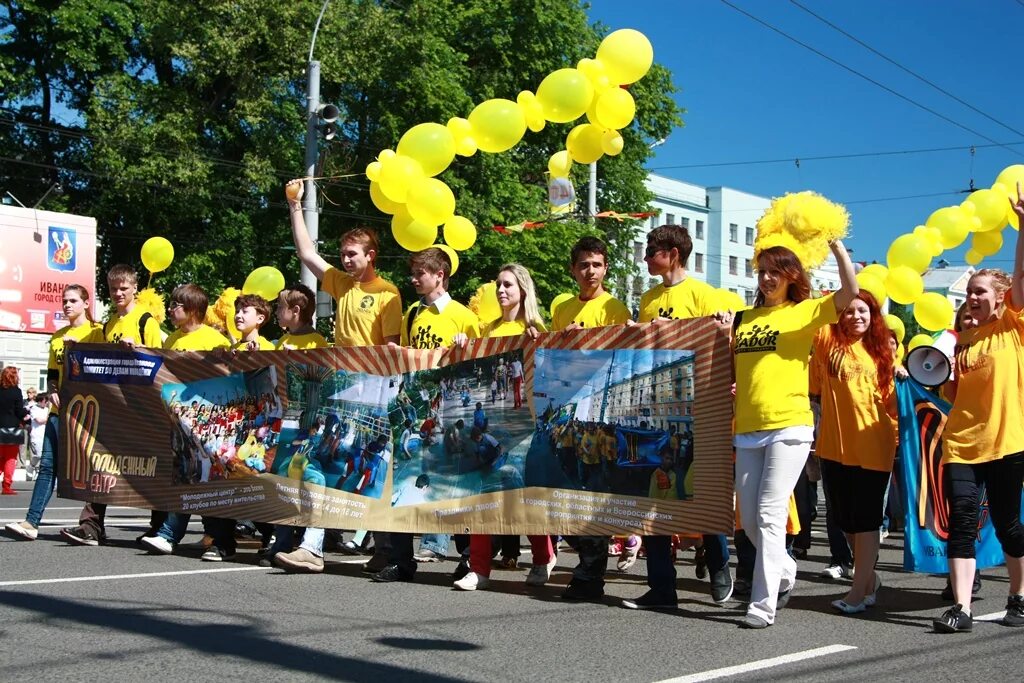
x: 630, y: 549
x: 471, y: 582
x: 836, y: 571
x: 158, y: 544
x: 23, y: 530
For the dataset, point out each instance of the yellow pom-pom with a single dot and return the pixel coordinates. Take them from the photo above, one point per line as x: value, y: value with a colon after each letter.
x: 153, y: 303
x: 222, y: 314
x: 778, y: 239
x: 809, y: 216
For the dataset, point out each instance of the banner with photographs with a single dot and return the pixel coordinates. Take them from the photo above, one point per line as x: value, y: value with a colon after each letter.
x: 616, y: 430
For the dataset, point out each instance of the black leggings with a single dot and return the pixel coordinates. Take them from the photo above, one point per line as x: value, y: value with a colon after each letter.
x: 1002, y: 479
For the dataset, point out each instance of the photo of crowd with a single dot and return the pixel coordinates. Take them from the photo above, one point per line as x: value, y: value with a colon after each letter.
x: 225, y: 427
x: 461, y: 430
x: 335, y: 432
x: 614, y: 421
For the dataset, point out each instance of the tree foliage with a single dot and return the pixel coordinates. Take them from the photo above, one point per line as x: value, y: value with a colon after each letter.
x: 185, y: 119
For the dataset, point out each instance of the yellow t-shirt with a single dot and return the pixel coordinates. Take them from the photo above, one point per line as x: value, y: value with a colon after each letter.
x: 431, y: 328
x: 772, y: 348
x: 856, y: 425
x: 600, y: 311
x: 687, y: 299
x: 262, y: 344
x: 126, y: 328
x: 609, y: 447
x: 89, y: 333
x: 204, y: 338
x: 986, y: 422
x: 301, y: 342
x: 500, y: 328
x: 590, y: 451
x: 368, y: 312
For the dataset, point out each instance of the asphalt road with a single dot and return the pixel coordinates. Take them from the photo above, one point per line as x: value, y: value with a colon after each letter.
x: 116, y: 613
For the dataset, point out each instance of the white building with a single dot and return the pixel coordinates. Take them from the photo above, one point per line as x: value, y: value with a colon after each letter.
x: 29, y: 353
x: 721, y: 222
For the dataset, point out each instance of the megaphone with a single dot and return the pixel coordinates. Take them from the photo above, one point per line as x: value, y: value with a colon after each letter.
x: 929, y: 366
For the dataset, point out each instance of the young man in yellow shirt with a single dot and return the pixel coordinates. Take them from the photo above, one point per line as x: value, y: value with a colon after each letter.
x: 678, y: 296
x: 434, y: 321
x: 592, y: 307
x: 132, y: 326
x: 252, y: 312
x: 296, y: 305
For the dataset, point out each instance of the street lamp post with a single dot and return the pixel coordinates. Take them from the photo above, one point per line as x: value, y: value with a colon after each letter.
x: 592, y: 187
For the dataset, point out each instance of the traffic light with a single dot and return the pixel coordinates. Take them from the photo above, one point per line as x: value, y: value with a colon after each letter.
x: 328, y: 115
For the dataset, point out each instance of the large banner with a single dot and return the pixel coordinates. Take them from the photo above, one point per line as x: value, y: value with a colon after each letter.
x: 922, y: 417
x: 616, y: 430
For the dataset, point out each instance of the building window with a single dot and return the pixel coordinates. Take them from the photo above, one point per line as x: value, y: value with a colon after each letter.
x: 749, y: 296
x: 733, y: 263
x: 698, y: 263
x: 654, y: 222
x: 700, y: 230
x: 670, y: 219
x: 685, y: 222
x: 41, y: 386
x: 734, y: 232
x: 638, y: 251
x: 750, y: 236
x: 749, y: 267
x: 733, y: 290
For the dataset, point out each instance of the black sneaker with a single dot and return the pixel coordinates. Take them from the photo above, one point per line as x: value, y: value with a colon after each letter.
x: 1014, y: 611
x: 741, y: 590
x: 461, y: 569
x: 391, y: 574
x: 80, y: 536
x: 375, y: 564
x: 583, y: 591
x: 700, y: 560
x: 721, y: 586
x: 953, y: 620
x: 652, y: 600
x: 947, y: 592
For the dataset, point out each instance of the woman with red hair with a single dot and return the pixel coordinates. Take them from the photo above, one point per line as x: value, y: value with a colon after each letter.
x: 12, y: 423
x: 774, y: 423
x: 852, y: 371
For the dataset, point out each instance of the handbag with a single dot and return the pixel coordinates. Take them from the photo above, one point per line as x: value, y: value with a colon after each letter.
x: 12, y: 435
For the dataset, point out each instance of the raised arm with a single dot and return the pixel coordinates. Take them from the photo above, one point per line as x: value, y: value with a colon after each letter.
x: 303, y: 245
x: 848, y: 289
x: 1017, y: 285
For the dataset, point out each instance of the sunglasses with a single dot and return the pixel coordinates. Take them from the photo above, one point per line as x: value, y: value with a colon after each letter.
x: 171, y: 305
x: 652, y: 251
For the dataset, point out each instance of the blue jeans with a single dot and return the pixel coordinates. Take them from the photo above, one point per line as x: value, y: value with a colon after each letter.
x: 221, y: 530
x: 661, y: 570
x: 46, y: 480
x: 436, y: 542
x: 174, y: 528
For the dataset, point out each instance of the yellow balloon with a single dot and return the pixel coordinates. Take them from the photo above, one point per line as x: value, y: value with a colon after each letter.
x: 558, y: 300
x: 488, y: 308
x: 431, y: 202
x: 973, y: 257
x: 397, y: 175
x: 595, y: 73
x: 564, y: 95
x: 466, y: 146
x: 431, y: 144
x: 626, y: 55
x: 901, y: 353
x: 452, y: 256
x: 987, y: 243
x: 990, y: 209
x: 933, y: 311
x: 895, y: 324
x: 612, y: 142
x: 871, y: 284
x: 157, y: 254
x: 909, y: 250
x: 497, y: 125
x: 385, y: 154
x: 953, y: 225
x: 381, y: 201
x: 1009, y: 177
x: 904, y: 284
x: 584, y: 143
x: 459, y: 233
x: 373, y: 171
x: 265, y: 281
x: 919, y: 340
x: 459, y: 127
x: 876, y: 269
x: 559, y: 164
x: 410, y: 234
x: 615, y: 108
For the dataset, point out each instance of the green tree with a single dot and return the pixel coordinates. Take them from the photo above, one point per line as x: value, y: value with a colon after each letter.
x: 185, y: 119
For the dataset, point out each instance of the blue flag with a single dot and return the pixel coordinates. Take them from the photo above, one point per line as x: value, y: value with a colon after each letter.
x: 922, y: 417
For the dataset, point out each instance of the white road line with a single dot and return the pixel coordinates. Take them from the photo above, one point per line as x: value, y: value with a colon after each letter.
x: 79, y: 508
x: 116, y: 577
x: 110, y: 521
x: 714, y: 674
x: 995, y: 616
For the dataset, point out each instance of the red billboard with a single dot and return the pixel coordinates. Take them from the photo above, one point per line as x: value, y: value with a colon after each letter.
x: 41, y: 252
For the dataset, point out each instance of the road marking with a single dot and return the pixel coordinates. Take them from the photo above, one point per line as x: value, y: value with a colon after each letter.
x: 117, y: 577
x: 79, y: 508
x: 995, y: 616
x: 116, y: 521
x: 714, y: 674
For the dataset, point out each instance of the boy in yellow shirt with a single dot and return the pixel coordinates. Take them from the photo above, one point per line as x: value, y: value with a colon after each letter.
x: 296, y: 305
x: 251, y: 313
x: 678, y: 296
x: 369, y: 307
x: 130, y: 325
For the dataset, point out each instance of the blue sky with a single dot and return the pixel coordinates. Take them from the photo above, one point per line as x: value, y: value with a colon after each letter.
x: 752, y: 94
x: 587, y: 371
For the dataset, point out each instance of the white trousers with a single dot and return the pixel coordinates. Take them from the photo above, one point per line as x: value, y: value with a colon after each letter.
x: 765, y: 479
